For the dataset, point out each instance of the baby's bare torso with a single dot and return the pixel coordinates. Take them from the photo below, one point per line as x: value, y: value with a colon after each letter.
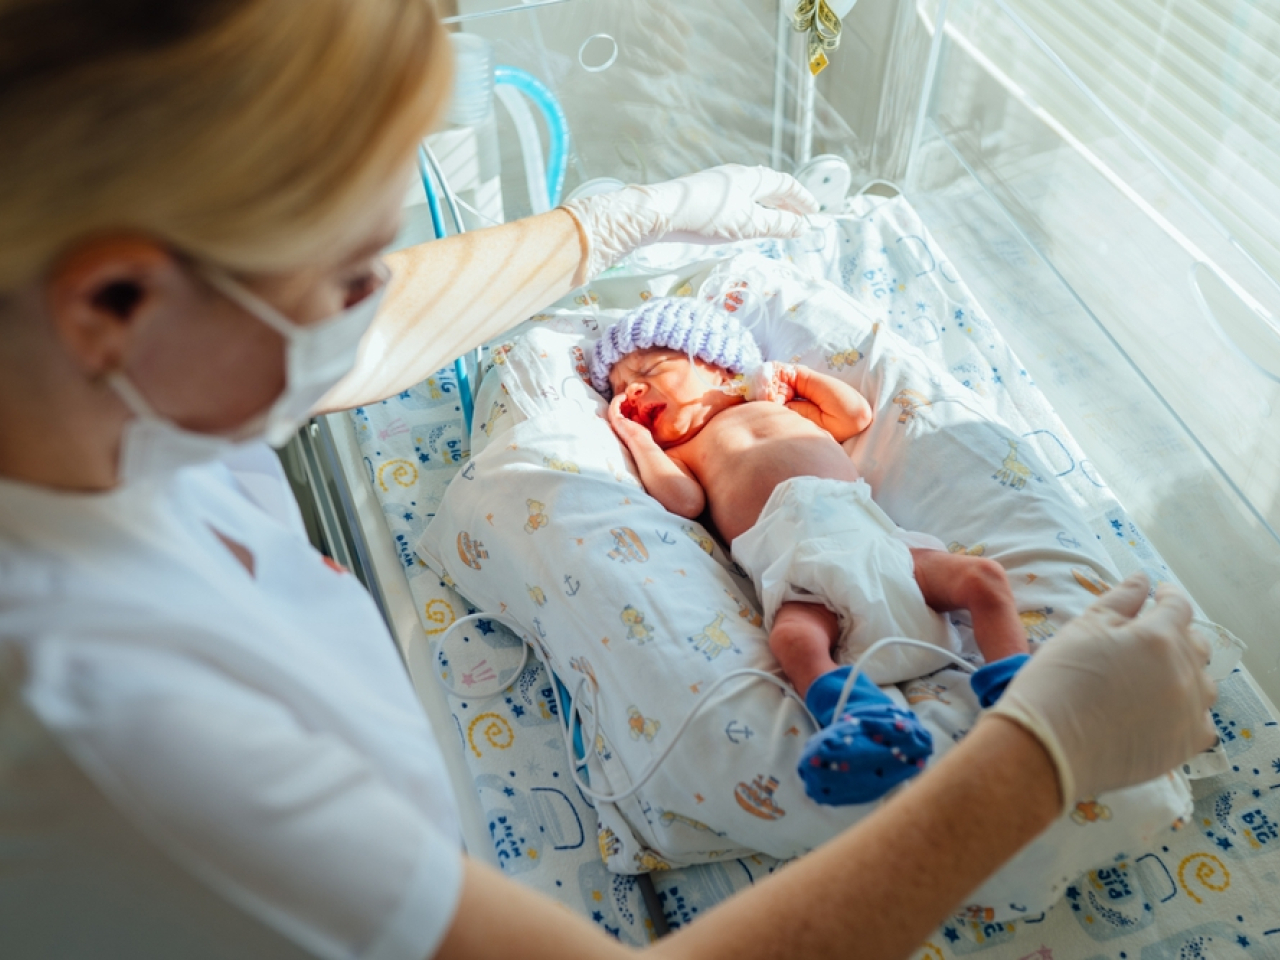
x: 744, y: 452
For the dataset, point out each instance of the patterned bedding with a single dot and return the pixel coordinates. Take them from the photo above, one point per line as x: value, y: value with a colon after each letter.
x: 1210, y: 890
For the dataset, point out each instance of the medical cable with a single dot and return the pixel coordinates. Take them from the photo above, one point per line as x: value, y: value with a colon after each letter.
x: 576, y: 762
x: 444, y: 188
x: 437, y: 225
x: 506, y: 621
x: 478, y: 214
x: 883, y: 644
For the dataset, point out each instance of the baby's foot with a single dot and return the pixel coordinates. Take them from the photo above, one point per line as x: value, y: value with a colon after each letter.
x: 869, y: 749
x: 988, y: 682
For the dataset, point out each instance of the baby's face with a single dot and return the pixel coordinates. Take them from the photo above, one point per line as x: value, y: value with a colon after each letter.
x: 669, y: 394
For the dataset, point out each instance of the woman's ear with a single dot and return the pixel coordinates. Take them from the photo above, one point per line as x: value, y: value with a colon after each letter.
x: 99, y: 294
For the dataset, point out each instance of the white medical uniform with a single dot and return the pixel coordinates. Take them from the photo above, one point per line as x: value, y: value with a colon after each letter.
x: 199, y: 761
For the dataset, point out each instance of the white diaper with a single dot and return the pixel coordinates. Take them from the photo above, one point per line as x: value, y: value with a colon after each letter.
x: 826, y: 541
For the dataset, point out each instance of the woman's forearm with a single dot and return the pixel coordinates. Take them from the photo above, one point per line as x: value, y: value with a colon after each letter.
x: 449, y: 296
x: 876, y: 892
x: 880, y: 889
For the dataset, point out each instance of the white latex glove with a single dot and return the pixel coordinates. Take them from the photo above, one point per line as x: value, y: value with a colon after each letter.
x: 731, y: 202
x: 1116, y: 699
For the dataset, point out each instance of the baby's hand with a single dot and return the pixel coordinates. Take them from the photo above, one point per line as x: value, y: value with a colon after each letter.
x: 773, y: 382
x: 630, y: 431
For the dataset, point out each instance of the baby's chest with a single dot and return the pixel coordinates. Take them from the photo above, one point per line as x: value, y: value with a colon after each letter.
x: 750, y: 429
x: 723, y: 449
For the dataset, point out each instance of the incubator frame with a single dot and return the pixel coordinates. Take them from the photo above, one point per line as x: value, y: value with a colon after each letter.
x: 991, y: 172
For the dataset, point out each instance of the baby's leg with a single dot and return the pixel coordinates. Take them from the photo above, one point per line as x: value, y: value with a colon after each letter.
x: 801, y: 638
x: 953, y: 581
x: 956, y: 581
x: 873, y: 745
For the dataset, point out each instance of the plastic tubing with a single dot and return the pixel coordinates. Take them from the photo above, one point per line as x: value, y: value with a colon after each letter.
x: 449, y: 198
x: 433, y: 202
x: 557, y: 125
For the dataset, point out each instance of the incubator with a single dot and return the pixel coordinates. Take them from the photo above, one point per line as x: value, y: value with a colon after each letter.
x: 1101, y: 174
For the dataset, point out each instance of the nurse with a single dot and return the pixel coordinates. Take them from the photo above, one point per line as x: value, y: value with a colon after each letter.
x: 208, y: 746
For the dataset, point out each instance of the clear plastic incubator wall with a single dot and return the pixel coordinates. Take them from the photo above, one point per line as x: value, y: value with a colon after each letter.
x: 1102, y: 174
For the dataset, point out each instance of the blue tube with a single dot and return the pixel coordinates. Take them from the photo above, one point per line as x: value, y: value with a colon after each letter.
x: 433, y: 202
x: 557, y: 125
x: 464, y: 391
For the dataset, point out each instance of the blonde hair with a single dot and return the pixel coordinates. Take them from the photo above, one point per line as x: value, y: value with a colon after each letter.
x: 253, y: 133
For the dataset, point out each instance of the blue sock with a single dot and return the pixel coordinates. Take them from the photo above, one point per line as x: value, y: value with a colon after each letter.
x: 989, y: 681
x: 869, y: 749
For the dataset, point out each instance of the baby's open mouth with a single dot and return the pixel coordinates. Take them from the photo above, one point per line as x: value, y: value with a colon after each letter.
x: 645, y: 414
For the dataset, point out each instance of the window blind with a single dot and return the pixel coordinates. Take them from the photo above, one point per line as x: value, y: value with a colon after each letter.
x: 1198, y: 81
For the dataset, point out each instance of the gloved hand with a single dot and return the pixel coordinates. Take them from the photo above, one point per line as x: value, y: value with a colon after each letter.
x: 731, y: 202
x: 1117, y: 699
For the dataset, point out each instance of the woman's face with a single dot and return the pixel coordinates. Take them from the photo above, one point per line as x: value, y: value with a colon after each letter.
x: 209, y: 365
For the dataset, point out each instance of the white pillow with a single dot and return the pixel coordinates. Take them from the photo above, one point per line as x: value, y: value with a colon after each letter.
x: 538, y: 372
x: 550, y: 526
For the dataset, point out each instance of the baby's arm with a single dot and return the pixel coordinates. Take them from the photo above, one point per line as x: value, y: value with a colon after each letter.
x: 830, y: 403
x: 665, y: 478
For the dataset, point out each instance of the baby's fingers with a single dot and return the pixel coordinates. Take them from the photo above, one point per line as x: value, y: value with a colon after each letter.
x: 615, y: 409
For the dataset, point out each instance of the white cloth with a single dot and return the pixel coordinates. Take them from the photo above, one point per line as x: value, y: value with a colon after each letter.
x: 254, y: 747
x: 825, y: 541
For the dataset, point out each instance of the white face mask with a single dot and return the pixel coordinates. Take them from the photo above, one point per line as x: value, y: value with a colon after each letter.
x: 316, y: 358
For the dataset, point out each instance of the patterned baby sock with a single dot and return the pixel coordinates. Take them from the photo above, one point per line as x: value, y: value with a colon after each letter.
x: 872, y: 747
x: 989, y: 681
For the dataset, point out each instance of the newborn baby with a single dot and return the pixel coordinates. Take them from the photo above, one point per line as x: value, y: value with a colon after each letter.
x: 833, y: 572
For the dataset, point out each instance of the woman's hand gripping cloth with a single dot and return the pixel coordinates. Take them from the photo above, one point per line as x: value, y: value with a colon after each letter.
x: 640, y: 609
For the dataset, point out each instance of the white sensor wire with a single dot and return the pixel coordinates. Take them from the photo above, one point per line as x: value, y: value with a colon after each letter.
x: 576, y: 763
